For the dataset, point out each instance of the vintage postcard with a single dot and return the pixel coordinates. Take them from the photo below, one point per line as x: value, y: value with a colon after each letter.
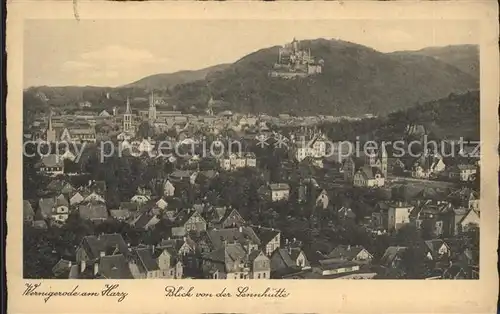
x: 195, y: 157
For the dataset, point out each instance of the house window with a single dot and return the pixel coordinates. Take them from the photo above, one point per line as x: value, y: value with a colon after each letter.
x: 263, y: 275
x: 241, y: 276
x: 258, y: 276
x: 215, y: 276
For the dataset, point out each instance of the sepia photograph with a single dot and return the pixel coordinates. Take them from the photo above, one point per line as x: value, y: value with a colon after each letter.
x: 244, y: 157
x: 305, y: 153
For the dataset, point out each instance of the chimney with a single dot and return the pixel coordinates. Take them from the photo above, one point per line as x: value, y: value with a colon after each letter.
x: 184, y: 239
x: 96, y: 268
x: 102, y: 253
x: 69, y: 264
x: 286, y: 241
x: 83, y: 265
x: 241, y: 229
x: 349, y: 247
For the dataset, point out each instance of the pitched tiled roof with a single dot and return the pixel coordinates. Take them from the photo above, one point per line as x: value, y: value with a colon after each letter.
x: 184, y: 215
x: 279, y: 186
x: 346, y: 252
x: 120, y: 213
x: 283, y: 253
x: 145, y: 257
x: 115, y: 267
x: 60, y: 186
x: 52, y: 160
x: 46, y: 205
x: 232, y: 235
x: 108, y: 243
x: 265, y: 234
x: 131, y: 206
x: 229, y: 253
x: 434, y: 246
x: 391, y: 253
x: 93, y: 211
x: 28, y: 209
x: 369, y: 172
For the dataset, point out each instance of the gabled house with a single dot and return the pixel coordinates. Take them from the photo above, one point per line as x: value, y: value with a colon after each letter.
x: 234, y: 262
x: 168, y: 188
x: 54, y: 208
x: 465, y: 197
x: 93, y: 211
x: 145, y: 221
x: 436, y: 249
x: 93, y: 197
x: 245, y: 236
x: 28, y: 212
x: 161, y: 204
x: 190, y: 220
x: 345, y: 212
x: 169, y: 263
x: 185, y: 176
x: 222, y: 217
x: 50, y: 165
x: 355, y: 253
x: 395, y: 166
x: 113, y: 267
x: 427, y: 166
x: 470, y: 219
x: 289, y: 260
x: 60, y: 187
x: 322, y: 200
x: 260, y: 265
x: 368, y: 177
x: 140, y: 199
x: 75, y: 198
x: 463, y: 172
x: 120, y: 214
x: 93, y: 248
x: 270, y: 239
x: 143, y: 264
x: 392, y: 256
x: 278, y: 191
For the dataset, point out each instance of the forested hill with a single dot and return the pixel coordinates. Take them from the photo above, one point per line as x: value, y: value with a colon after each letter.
x: 463, y: 57
x: 451, y: 117
x: 355, y: 80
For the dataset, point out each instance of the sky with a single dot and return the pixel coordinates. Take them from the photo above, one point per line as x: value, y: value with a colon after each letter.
x: 117, y: 52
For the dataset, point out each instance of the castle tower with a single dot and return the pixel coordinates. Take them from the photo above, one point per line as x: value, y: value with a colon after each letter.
x: 152, y: 107
x: 50, y: 133
x: 127, y: 118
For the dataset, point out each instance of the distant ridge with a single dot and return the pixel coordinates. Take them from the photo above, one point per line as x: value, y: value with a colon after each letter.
x: 168, y: 80
x: 355, y: 80
x: 463, y: 57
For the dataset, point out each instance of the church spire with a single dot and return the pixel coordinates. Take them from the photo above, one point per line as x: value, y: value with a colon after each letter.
x: 128, y: 106
x: 50, y: 120
x: 152, y: 99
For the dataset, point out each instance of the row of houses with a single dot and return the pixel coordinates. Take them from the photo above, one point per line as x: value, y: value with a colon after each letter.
x: 440, y: 217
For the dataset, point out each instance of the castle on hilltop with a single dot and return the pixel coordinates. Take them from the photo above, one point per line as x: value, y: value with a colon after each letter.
x: 295, y: 62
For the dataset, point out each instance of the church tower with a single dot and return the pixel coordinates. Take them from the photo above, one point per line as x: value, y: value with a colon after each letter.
x: 127, y: 118
x: 50, y: 133
x: 210, y: 106
x: 383, y: 160
x: 152, y: 107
